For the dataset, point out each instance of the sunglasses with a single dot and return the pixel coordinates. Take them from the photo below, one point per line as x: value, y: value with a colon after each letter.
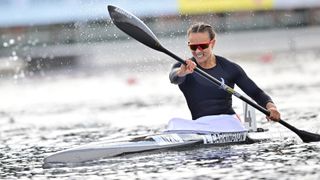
x: 200, y: 46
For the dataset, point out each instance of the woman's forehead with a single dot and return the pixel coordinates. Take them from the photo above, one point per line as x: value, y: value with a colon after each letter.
x: 199, y: 36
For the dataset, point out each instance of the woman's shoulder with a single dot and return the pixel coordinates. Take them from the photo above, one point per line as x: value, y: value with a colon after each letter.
x: 225, y: 62
x: 229, y: 65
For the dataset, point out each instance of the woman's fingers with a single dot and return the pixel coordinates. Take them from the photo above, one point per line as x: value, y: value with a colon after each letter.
x: 274, y: 114
x: 186, y: 68
x: 190, y: 65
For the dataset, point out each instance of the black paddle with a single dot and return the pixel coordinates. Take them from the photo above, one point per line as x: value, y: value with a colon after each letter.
x: 135, y: 28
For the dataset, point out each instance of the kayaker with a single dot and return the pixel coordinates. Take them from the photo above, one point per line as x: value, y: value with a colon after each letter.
x: 204, y: 98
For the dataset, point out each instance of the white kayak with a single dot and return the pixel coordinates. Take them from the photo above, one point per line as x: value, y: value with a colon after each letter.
x: 99, y: 150
x: 211, y: 130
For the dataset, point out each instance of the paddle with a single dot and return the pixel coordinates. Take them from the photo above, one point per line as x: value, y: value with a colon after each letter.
x: 135, y: 28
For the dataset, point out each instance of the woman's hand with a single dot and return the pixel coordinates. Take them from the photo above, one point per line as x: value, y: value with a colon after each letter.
x: 186, y: 69
x: 274, y: 113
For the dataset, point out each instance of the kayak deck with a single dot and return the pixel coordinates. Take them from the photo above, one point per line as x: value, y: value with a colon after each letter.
x: 105, y: 149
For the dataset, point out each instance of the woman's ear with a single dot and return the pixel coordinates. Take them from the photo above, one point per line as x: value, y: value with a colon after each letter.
x: 213, y: 43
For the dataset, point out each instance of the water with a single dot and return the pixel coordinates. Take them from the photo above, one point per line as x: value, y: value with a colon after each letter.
x: 42, y: 115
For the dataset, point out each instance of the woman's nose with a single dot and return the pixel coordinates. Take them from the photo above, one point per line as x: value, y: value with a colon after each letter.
x: 199, y: 49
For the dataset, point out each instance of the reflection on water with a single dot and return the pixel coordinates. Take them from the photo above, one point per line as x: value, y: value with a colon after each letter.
x: 86, y: 109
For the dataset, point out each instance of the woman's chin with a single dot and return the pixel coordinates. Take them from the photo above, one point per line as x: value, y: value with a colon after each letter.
x: 200, y: 60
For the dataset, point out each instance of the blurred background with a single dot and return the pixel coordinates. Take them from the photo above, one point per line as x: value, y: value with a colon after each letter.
x: 40, y: 36
x: 64, y: 61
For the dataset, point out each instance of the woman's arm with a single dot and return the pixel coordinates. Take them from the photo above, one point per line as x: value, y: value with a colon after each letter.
x: 258, y: 95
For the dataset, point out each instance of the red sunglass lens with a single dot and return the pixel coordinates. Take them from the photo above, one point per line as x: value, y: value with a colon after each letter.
x: 196, y: 46
x: 193, y: 47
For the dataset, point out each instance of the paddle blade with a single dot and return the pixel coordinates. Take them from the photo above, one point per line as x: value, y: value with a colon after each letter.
x: 304, y: 135
x: 134, y: 27
x: 308, y: 136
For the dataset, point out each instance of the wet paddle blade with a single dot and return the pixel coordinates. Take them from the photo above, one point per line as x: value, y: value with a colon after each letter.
x: 308, y: 136
x: 134, y: 27
x: 304, y: 135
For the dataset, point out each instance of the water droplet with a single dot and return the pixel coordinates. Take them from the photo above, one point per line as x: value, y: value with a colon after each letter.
x: 11, y: 41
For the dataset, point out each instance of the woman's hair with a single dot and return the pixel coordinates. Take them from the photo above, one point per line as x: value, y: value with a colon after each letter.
x: 202, y: 27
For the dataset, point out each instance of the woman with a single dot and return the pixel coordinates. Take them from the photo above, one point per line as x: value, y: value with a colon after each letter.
x: 203, y: 98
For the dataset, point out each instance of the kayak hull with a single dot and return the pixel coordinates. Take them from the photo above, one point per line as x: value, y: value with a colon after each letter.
x: 105, y: 149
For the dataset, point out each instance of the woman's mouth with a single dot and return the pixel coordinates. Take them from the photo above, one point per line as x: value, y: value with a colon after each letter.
x: 199, y: 55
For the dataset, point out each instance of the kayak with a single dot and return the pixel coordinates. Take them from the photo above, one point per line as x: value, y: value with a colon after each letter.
x: 105, y: 149
x: 216, y: 130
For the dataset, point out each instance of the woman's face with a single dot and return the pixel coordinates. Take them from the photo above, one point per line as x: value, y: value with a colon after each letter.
x: 201, y: 46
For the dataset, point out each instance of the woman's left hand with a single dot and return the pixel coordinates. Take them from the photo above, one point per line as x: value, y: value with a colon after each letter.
x: 274, y: 113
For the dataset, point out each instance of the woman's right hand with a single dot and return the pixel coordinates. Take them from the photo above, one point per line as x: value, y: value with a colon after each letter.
x: 187, y: 69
